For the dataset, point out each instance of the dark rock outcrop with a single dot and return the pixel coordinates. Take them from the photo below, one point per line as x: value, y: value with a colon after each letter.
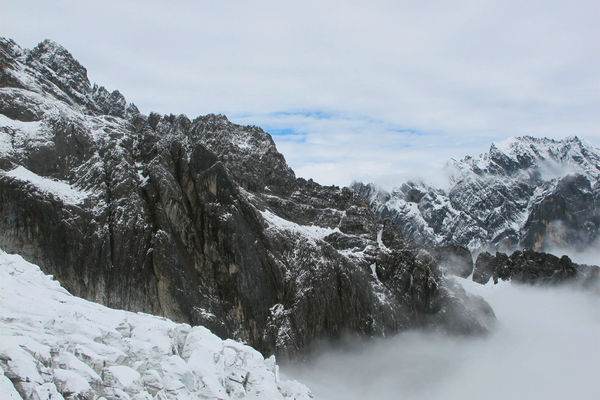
x: 490, y: 266
x: 566, y: 216
x: 531, y: 267
x: 198, y: 220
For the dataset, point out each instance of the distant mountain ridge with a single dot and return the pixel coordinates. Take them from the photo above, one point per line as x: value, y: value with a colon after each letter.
x: 529, y: 192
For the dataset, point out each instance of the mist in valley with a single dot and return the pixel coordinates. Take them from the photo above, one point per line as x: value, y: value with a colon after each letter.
x: 546, y: 345
x: 589, y: 254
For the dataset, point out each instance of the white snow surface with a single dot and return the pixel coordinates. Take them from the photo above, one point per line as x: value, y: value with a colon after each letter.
x: 18, y: 134
x: 60, y: 189
x: 311, y: 232
x: 55, y: 346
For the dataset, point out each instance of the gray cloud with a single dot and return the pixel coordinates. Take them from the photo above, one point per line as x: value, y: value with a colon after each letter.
x: 461, y: 74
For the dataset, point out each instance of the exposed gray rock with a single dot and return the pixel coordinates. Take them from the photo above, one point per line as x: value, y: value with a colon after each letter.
x: 567, y: 215
x: 531, y: 267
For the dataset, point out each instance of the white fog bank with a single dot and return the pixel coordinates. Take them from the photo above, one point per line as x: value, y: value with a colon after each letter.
x: 546, y: 346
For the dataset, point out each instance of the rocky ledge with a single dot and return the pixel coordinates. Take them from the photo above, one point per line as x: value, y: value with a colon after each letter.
x: 530, y: 267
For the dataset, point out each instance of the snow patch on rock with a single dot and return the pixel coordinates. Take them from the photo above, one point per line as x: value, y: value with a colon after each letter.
x: 18, y: 134
x: 60, y: 189
x: 311, y: 232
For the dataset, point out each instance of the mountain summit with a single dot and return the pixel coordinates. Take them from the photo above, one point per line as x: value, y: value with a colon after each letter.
x: 200, y: 220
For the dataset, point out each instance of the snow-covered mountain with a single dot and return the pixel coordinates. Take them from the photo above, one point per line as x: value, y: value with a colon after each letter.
x: 202, y: 221
x: 55, y: 346
x: 199, y: 220
x: 524, y: 192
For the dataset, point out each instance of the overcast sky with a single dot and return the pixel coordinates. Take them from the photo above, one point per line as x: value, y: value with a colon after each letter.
x: 371, y: 90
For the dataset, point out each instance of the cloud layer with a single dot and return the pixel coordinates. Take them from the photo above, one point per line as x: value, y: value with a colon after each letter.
x: 384, y: 90
x: 545, y: 347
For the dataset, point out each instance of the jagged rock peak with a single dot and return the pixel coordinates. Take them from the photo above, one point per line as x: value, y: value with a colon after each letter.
x: 10, y: 48
x: 216, y: 119
x: 57, y: 58
x: 51, y: 70
x: 518, y: 154
x: 112, y: 103
x: 524, y: 192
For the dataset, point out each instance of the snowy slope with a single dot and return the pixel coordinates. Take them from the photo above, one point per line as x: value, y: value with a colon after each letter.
x: 55, y: 346
x: 62, y: 190
x: 310, y: 232
x: 515, y: 195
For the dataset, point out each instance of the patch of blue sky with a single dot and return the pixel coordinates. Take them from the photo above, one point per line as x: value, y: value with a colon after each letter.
x: 286, y: 134
x: 277, y: 131
x: 285, y: 122
x: 313, y: 114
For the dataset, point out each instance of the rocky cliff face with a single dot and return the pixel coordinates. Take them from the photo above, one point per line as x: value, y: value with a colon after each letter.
x: 525, y: 192
x: 199, y: 220
x: 531, y: 267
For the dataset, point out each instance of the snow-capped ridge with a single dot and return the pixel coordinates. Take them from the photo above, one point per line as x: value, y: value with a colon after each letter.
x: 60, y: 60
x: 50, y: 69
x: 498, y: 198
x: 517, y: 154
